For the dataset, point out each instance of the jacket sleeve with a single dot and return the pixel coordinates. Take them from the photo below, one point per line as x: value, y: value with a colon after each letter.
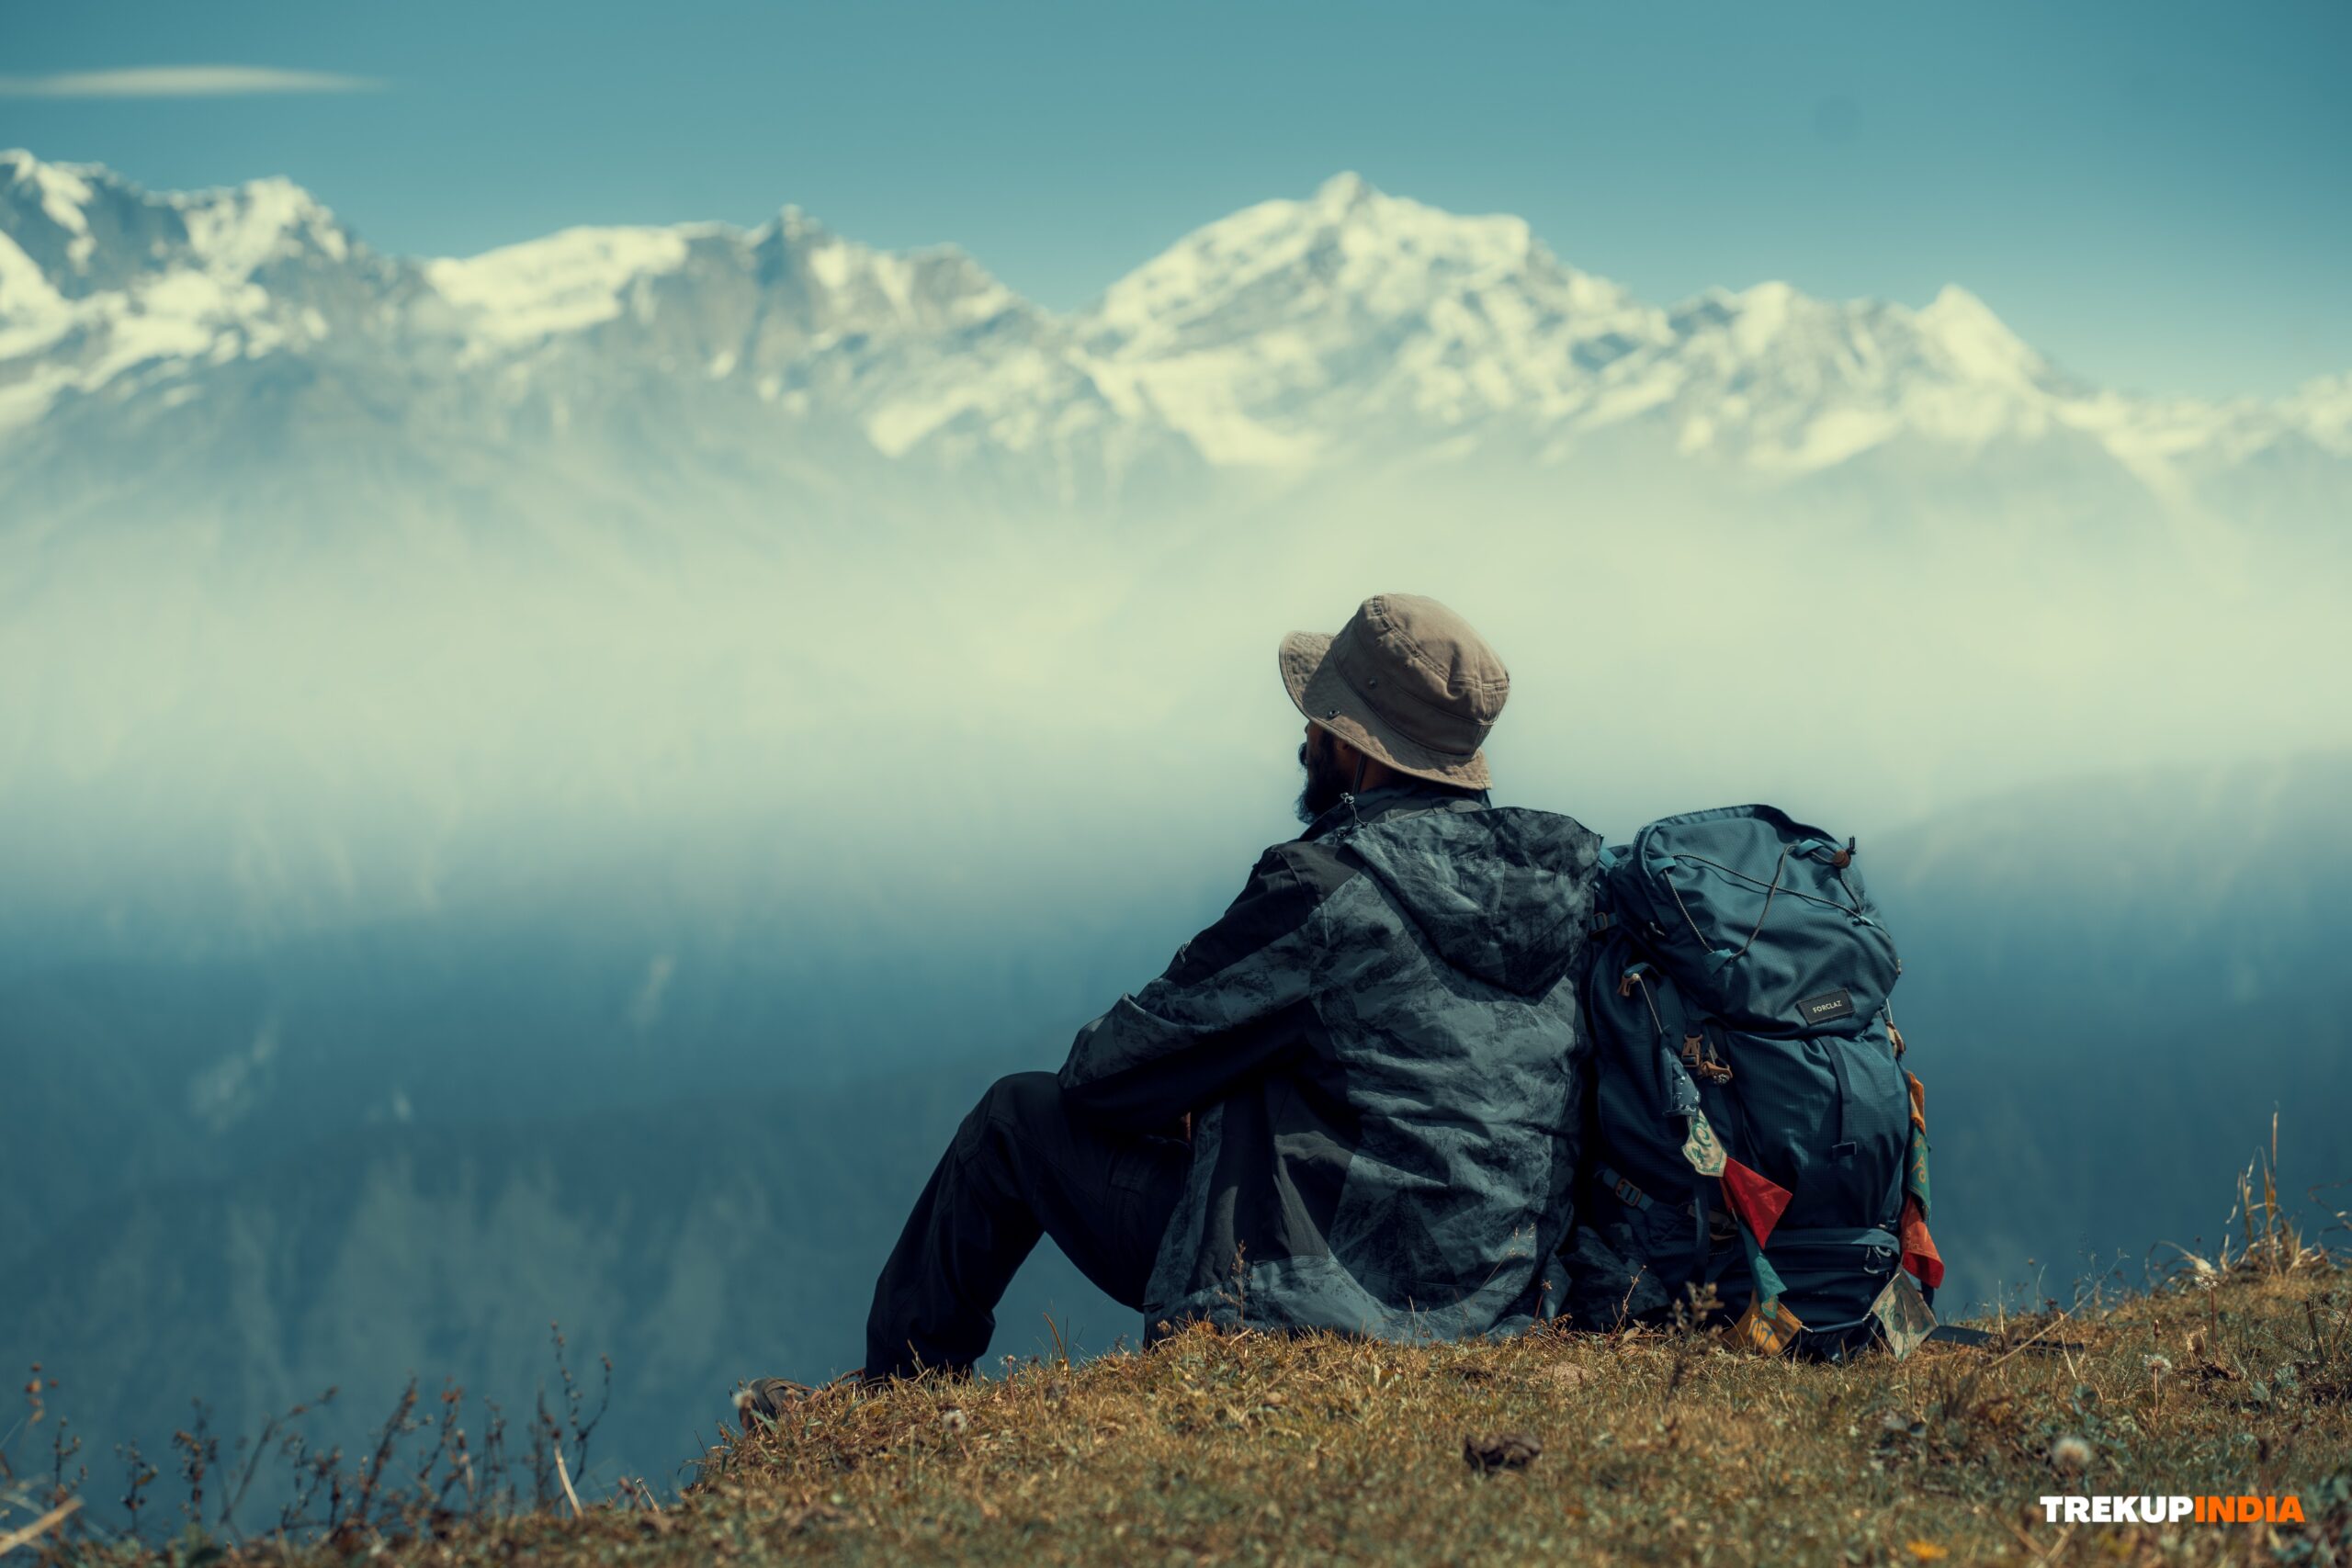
x: 1231, y: 1002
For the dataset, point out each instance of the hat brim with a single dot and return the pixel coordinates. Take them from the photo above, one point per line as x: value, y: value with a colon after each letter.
x: 1324, y: 696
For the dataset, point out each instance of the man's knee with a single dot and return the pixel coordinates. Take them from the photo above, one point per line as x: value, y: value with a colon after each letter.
x: 1015, y: 1103
x: 1024, y: 1099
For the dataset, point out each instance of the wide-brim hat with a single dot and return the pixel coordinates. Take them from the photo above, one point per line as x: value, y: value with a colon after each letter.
x: 1405, y: 682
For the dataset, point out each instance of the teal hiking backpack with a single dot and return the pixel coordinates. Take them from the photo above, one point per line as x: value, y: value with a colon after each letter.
x: 1753, y: 1128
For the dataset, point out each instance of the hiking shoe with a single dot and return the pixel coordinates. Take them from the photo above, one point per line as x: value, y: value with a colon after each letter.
x: 769, y: 1399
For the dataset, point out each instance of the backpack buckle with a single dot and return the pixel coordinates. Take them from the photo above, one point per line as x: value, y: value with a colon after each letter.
x: 1699, y: 1055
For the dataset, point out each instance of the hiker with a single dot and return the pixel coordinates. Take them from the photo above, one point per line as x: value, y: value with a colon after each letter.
x: 1349, y: 1104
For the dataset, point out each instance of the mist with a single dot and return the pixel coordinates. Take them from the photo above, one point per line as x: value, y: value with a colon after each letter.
x: 854, y: 727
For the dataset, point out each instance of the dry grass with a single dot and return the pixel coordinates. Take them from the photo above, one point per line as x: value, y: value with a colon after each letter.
x: 2233, y: 1376
x: 1655, y: 1448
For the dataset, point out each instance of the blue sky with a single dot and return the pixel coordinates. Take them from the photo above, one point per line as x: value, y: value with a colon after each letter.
x: 2156, y: 195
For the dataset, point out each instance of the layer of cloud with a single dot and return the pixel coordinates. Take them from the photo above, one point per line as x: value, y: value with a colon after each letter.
x: 180, y: 82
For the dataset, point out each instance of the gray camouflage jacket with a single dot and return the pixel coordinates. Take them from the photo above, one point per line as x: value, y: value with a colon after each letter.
x: 1379, y: 1043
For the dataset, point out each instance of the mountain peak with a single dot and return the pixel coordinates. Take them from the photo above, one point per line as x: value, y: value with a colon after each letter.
x: 1344, y: 190
x: 519, y: 294
x: 62, y: 191
x: 23, y: 163
x: 1955, y: 307
x: 794, y: 227
x: 1347, y: 241
x: 1979, y: 344
x: 238, y: 228
x: 2323, y: 407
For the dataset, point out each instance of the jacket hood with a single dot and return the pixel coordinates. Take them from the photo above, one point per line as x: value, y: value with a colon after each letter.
x: 1505, y: 895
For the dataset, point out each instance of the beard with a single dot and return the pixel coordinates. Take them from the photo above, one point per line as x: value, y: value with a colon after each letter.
x: 1327, y: 782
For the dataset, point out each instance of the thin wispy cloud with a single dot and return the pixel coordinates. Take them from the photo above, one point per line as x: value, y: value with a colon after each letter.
x: 181, y: 82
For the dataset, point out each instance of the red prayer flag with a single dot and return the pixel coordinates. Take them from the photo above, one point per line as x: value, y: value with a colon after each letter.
x: 1919, y: 1252
x: 1756, y: 1198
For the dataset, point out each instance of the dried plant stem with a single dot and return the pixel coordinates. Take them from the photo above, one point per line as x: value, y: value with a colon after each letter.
x: 563, y: 1474
x: 40, y: 1526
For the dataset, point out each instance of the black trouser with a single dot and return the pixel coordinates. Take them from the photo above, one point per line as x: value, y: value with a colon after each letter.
x: 1021, y: 1167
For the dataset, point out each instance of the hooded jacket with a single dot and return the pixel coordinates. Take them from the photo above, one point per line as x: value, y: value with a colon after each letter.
x: 1380, y: 1045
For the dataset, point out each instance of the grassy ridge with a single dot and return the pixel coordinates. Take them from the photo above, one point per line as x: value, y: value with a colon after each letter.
x: 1654, y: 1447
x: 1637, y: 1446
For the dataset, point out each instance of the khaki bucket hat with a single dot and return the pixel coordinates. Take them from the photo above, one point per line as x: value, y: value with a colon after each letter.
x: 1407, y: 683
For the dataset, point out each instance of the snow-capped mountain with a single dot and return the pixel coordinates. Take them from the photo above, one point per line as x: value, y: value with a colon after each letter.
x: 249, y: 324
x: 104, y: 287
x: 1294, y: 327
x: 249, y: 327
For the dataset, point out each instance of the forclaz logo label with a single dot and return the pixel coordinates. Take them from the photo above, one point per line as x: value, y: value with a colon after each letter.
x: 1827, y: 1005
x: 2245, y: 1510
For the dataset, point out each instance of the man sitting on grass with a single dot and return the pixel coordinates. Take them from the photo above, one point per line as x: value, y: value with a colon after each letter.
x: 1349, y: 1104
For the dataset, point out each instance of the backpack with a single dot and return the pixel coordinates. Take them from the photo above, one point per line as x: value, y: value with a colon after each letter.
x: 1751, y: 1126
